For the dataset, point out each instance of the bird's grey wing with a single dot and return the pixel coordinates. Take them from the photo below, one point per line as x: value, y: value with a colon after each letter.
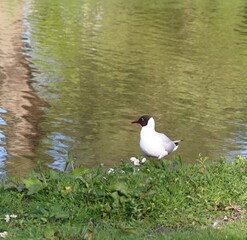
x: 167, y: 143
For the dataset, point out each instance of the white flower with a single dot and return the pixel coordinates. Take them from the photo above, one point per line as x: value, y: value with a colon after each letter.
x: 215, y: 224
x: 110, y: 170
x: 144, y: 160
x: 135, y: 161
x: 3, y: 234
x: 7, y: 218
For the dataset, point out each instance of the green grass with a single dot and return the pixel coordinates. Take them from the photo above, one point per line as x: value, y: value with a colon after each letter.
x: 157, y: 200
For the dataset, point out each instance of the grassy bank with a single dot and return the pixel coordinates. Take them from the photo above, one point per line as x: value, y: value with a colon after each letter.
x: 156, y: 200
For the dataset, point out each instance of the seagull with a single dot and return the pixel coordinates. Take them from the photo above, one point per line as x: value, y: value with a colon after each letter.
x: 152, y: 143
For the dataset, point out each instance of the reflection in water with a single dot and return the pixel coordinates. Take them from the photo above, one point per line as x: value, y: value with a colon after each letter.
x: 19, y: 113
x: 101, y: 64
x: 240, y: 137
x: 3, y: 152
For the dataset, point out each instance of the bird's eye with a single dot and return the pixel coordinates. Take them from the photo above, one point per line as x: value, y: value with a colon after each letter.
x: 142, y: 119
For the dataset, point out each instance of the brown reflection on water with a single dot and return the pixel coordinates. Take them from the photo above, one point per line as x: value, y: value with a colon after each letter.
x: 17, y: 96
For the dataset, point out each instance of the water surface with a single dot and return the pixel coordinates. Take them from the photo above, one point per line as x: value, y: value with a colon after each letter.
x: 94, y: 66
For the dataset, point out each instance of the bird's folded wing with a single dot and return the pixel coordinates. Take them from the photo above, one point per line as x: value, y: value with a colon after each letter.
x: 167, y: 143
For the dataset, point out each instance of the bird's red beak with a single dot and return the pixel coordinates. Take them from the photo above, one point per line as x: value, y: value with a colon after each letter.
x: 136, y: 121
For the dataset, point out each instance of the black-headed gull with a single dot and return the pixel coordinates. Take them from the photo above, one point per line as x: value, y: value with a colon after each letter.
x: 152, y: 143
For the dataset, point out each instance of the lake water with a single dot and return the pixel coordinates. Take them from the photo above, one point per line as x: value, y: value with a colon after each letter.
x: 74, y: 74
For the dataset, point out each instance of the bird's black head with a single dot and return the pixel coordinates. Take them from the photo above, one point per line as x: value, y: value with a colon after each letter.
x: 143, y: 120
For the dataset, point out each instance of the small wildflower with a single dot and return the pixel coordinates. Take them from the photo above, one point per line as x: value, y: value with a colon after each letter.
x: 111, y: 170
x: 68, y: 189
x: 215, y: 224
x: 7, y: 218
x: 135, y: 161
x: 132, y: 159
x: 144, y: 160
x: 3, y: 234
x: 225, y: 218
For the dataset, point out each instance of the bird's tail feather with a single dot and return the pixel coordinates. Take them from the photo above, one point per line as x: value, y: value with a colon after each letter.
x: 177, y: 142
